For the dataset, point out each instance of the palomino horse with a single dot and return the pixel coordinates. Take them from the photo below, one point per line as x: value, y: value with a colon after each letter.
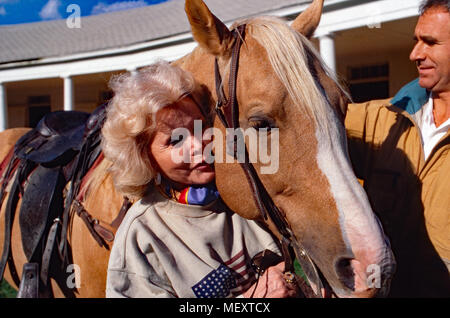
x: 282, y: 84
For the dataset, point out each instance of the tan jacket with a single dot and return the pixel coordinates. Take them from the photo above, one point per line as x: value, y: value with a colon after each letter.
x: 411, y: 196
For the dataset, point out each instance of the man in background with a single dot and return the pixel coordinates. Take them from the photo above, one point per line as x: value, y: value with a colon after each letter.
x: 400, y: 148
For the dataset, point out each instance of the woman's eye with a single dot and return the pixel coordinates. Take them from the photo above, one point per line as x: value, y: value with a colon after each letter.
x: 174, y: 140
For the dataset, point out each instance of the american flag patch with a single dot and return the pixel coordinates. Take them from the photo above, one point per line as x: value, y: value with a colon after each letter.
x: 233, y: 277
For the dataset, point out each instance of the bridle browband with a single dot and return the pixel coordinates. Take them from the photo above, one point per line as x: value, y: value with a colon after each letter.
x: 228, y: 112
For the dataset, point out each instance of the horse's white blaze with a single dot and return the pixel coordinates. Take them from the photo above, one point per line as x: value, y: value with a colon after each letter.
x: 359, y: 226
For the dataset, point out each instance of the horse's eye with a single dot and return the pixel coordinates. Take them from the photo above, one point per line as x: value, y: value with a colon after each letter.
x: 262, y: 122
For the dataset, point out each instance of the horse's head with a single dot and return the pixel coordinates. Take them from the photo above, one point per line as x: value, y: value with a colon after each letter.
x: 302, y: 160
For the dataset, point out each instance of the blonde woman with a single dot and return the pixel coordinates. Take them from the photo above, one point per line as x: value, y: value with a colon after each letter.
x: 178, y: 239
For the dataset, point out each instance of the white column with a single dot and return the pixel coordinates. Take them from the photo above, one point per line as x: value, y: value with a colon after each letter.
x: 3, y: 108
x: 132, y: 70
x: 327, y: 50
x: 68, y: 93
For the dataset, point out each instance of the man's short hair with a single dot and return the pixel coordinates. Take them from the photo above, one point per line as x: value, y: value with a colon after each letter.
x: 428, y: 4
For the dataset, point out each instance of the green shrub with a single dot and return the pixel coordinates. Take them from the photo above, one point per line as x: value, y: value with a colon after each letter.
x: 6, y: 291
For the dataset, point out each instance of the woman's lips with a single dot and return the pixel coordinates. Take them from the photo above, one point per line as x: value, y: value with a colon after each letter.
x: 202, y: 167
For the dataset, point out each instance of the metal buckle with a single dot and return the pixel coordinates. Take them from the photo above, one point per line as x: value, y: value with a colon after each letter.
x: 308, y: 267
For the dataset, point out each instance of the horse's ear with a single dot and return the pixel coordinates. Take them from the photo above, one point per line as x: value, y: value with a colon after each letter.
x: 307, y: 21
x: 209, y: 32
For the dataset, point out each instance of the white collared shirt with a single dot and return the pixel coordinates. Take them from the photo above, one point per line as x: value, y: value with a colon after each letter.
x: 430, y: 133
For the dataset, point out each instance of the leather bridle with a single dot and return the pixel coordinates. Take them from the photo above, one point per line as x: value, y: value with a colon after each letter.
x: 228, y: 112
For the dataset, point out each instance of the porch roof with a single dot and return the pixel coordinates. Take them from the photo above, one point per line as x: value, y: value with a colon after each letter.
x: 33, y: 41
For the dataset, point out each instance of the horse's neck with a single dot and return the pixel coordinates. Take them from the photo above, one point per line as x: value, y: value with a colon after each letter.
x: 335, y: 95
x: 201, y: 64
x: 102, y: 200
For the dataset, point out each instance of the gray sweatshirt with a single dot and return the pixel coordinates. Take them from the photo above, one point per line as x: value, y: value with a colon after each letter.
x: 168, y: 249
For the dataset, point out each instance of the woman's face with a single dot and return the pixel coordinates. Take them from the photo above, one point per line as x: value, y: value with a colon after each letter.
x: 180, y: 159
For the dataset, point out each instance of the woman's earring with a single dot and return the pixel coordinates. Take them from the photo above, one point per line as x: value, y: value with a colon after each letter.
x: 158, y: 178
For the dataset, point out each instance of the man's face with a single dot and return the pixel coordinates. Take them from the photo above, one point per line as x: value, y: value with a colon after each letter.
x: 432, y: 50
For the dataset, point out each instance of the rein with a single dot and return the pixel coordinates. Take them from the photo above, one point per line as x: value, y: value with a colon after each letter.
x: 228, y: 112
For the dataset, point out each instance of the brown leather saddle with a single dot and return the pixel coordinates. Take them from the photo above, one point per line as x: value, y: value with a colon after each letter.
x: 55, y: 139
x: 54, y: 156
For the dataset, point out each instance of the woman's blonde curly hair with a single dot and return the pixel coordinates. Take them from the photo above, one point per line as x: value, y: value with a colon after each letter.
x: 130, y: 120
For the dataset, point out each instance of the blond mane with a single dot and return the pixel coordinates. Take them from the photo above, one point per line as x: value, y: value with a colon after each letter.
x: 94, y: 180
x: 289, y: 52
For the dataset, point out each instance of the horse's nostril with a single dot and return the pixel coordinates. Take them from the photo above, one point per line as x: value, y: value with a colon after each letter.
x: 345, y: 272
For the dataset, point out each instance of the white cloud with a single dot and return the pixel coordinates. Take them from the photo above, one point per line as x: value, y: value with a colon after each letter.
x: 2, y: 11
x: 102, y: 7
x: 50, y: 10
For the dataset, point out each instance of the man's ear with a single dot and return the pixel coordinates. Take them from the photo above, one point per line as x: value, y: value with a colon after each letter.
x: 208, y: 31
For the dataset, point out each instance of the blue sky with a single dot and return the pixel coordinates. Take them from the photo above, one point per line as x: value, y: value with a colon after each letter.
x: 24, y: 11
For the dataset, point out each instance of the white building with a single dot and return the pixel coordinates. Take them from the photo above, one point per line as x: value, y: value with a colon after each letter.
x: 48, y: 66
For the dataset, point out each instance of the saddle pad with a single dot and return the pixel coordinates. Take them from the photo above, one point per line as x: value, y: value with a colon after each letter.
x: 41, y: 201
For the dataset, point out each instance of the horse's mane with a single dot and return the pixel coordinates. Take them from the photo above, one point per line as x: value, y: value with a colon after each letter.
x: 94, y: 180
x: 290, y: 55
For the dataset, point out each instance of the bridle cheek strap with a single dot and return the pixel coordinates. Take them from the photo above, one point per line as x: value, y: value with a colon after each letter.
x: 228, y: 112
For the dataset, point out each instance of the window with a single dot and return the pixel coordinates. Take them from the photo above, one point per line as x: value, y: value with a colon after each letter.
x: 369, y: 82
x: 38, y: 107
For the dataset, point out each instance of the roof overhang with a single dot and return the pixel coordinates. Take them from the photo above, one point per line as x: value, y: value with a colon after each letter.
x: 338, y: 15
